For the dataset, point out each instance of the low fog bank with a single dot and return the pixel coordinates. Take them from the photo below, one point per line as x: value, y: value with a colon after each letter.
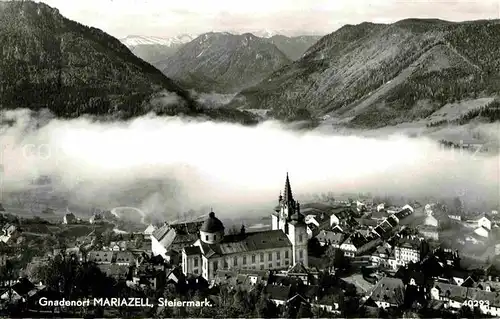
x: 212, y: 100
x: 483, y: 133
x: 167, y: 165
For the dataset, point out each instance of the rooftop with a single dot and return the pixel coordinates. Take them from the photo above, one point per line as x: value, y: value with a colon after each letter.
x: 247, y: 242
x: 389, y: 290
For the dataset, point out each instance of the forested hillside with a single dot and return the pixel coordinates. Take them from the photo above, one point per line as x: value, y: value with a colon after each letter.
x: 48, y: 61
x: 381, y: 74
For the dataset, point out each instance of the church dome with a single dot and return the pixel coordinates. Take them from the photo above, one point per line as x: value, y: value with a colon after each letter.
x: 212, y: 224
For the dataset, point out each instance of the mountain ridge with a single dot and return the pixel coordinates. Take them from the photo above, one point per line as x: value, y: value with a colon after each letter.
x: 49, y: 61
x: 155, y: 49
x: 345, y: 67
x: 223, y: 62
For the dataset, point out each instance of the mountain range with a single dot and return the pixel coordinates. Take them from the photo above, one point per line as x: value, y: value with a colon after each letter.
x: 227, y: 65
x: 48, y: 61
x: 223, y: 62
x: 366, y: 75
x: 155, y: 49
x: 374, y: 75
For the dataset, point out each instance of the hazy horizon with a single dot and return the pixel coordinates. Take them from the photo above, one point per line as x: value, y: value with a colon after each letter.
x: 166, y: 19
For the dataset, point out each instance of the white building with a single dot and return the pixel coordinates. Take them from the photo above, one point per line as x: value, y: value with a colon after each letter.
x: 8, y: 230
x: 407, y: 250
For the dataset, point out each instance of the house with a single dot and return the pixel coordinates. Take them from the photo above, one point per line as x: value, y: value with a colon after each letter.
x: 242, y: 278
x: 431, y: 221
x: 69, y: 219
x: 101, y: 257
x: 488, y: 302
x: 174, y: 236
x: 481, y: 220
x: 384, y: 229
x: 328, y: 301
x: 379, y: 215
x: 326, y: 238
x: 447, y: 257
x: 96, y: 219
x: 388, y: 292
x: 124, y: 258
x: 460, y: 277
x: 453, y: 295
x: 406, y: 211
x: 118, y: 245
x: 316, y: 223
x: 175, y: 275
x: 8, y: 231
x: 153, y: 277
x: 172, y: 257
x: 150, y: 230
x: 367, y: 223
x: 428, y: 232
x: 280, y: 295
x: 361, y: 207
x: 22, y: 290
x: 408, y: 249
x: 116, y: 271
x: 301, y: 272
x: 381, y: 255
x: 342, y: 213
x: 352, y: 244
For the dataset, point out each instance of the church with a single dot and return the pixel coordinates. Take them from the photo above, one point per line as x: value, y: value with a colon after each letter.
x: 279, y: 248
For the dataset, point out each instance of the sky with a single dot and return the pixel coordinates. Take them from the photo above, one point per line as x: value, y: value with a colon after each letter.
x: 166, y: 18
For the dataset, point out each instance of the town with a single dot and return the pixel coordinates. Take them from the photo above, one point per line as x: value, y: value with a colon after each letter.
x: 361, y: 257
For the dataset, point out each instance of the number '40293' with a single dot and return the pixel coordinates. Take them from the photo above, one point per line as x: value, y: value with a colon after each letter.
x: 476, y: 303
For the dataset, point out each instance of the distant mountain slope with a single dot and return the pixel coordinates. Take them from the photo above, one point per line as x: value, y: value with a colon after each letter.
x: 155, y: 49
x: 48, y: 61
x: 381, y: 74
x: 294, y: 47
x: 223, y: 62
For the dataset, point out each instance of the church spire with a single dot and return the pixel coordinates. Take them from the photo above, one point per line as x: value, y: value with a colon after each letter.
x: 288, y: 197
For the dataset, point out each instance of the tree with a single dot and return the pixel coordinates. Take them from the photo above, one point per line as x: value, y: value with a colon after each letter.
x: 265, y: 308
x: 330, y: 254
x: 340, y: 261
x: 305, y: 311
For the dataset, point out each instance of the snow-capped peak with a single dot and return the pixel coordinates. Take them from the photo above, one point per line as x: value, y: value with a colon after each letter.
x: 134, y: 40
x: 266, y: 34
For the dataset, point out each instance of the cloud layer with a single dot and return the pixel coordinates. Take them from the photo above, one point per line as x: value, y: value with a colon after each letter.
x: 171, y: 164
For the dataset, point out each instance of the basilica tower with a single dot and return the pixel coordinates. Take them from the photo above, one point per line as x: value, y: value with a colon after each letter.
x: 288, y: 218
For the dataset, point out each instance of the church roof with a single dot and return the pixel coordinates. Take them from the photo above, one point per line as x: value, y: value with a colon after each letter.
x: 212, y: 224
x: 287, y: 195
x: 247, y: 242
x: 298, y: 268
x: 193, y: 250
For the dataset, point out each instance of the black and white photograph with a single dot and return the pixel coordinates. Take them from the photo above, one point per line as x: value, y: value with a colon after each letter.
x: 250, y: 159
